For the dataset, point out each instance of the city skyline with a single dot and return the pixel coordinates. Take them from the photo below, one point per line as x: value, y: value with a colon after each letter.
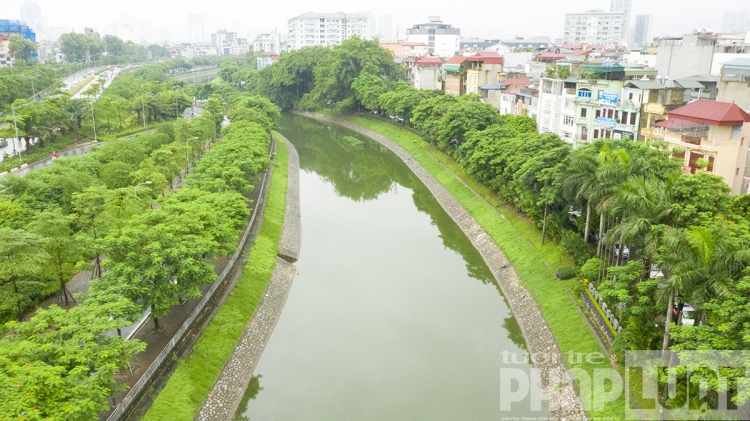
x: 169, y: 20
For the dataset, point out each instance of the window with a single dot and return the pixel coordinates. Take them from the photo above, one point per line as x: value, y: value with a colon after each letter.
x: 583, y: 112
x: 624, y: 116
x: 584, y: 133
x: 584, y: 93
x: 632, y: 118
x: 568, y: 120
x: 736, y: 132
x: 598, y: 113
x: 596, y: 134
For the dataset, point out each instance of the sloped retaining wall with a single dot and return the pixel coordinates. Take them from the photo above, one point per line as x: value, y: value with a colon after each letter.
x: 225, y: 396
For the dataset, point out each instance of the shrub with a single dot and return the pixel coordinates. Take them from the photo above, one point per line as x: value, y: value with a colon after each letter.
x: 566, y: 272
x: 590, y: 269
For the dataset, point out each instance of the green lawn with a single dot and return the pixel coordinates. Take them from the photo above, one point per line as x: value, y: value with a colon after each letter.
x: 520, y: 241
x: 192, y: 380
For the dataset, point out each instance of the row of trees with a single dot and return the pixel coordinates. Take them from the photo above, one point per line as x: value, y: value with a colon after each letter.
x: 685, y: 227
x: 155, y: 258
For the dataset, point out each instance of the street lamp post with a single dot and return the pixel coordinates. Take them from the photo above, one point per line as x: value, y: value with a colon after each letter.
x: 15, y: 125
x: 135, y: 189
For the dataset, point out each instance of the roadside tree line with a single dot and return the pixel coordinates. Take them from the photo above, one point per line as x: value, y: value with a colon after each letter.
x: 112, y: 211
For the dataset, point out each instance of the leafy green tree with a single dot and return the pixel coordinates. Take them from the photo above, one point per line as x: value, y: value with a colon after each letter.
x: 22, y: 256
x: 114, y: 45
x: 63, y: 250
x: 157, y: 262
x: 116, y: 174
x: 89, y: 207
x: 368, y: 88
x: 293, y: 76
x: 61, y: 364
x: 21, y: 48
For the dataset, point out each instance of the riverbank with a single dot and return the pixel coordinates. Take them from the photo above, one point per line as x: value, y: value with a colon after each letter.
x: 570, y: 330
x: 191, y: 382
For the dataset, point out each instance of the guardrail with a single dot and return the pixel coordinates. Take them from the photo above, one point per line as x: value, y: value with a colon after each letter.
x: 148, y: 376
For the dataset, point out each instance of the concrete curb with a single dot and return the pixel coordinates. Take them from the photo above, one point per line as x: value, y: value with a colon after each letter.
x: 561, y: 395
x: 226, y: 394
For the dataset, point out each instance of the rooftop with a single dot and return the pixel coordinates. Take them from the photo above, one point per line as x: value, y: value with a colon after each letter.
x: 516, y: 81
x: 714, y: 113
x: 429, y: 61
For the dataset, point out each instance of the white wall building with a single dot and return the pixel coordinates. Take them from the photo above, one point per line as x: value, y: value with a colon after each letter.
x: 311, y: 29
x: 442, y: 39
x: 270, y: 43
x: 594, y: 27
x: 641, y: 58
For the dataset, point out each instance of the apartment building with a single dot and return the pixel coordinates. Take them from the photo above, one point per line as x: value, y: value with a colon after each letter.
x: 455, y: 76
x: 699, y: 53
x: 442, y: 39
x: 311, y: 29
x: 425, y: 73
x: 710, y: 136
x: 270, y: 43
x: 594, y: 27
x: 483, y: 68
x: 594, y: 102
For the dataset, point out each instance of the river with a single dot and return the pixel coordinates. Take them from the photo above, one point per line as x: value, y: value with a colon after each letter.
x: 393, y: 314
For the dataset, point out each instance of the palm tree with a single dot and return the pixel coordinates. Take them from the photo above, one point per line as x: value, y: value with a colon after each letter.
x: 703, y: 263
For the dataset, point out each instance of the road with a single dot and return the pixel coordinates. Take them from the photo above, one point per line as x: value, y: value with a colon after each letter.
x: 48, y: 161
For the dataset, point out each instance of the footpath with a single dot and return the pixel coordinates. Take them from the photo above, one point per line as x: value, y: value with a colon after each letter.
x: 562, y: 395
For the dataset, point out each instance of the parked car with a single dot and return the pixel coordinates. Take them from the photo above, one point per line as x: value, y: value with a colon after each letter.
x: 655, y: 272
x: 625, y: 251
x: 688, y: 314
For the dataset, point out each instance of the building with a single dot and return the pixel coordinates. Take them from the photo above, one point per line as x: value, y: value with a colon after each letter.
x: 196, y: 28
x: 594, y: 27
x: 267, y: 58
x: 622, y: 7
x: 425, y: 73
x: 32, y: 14
x: 701, y: 53
x: 483, y: 68
x: 477, y: 44
x: 735, y: 21
x: 270, y: 42
x: 311, y: 29
x: 641, y: 57
x: 734, y: 83
x: 17, y: 27
x: 710, y: 136
x: 533, y: 43
x: 582, y: 108
x: 455, y: 76
x: 643, y: 25
x: 91, y: 31
x: 385, y: 26
x: 505, y: 94
x: 442, y: 40
x: 6, y: 60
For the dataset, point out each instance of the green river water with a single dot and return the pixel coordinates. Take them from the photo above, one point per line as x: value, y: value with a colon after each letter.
x: 393, y: 314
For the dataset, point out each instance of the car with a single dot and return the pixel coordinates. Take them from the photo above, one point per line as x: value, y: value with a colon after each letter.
x: 625, y: 251
x: 655, y: 272
x: 688, y: 314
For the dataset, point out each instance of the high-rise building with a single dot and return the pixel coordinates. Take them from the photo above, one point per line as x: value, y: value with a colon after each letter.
x: 735, y: 21
x: 594, y: 27
x: 311, y: 29
x: 643, y: 25
x: 196, y: 28
x: 622, y: 6
x: 32, y: 14
x: 269, y: 43
x: 385, y: 26
x: 442, y: 39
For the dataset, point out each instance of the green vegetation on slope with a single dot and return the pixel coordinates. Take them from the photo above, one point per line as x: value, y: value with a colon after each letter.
x: 192, y: 380
x: 535, y: 263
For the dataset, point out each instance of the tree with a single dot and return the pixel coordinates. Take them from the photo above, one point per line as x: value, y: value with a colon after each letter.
x: 89, y: 207
x: 368, y: 88
x: 21, y: 48
x: 157, y: 262
x: 63, y: 250
x: 61, y: 364
x: 22, y: 255
x: 75, y: 46
x: 114, y: 45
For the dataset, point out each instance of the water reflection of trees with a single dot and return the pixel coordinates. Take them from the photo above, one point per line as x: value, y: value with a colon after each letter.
x: 365, y: 173
x: 253, y: 388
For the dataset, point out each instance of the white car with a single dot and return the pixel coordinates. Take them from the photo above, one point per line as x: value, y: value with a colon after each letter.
x: 688, y: 315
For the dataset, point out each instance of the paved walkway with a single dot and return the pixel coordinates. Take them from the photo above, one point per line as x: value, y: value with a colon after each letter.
x: 225, y: 396
x: 558, y: 389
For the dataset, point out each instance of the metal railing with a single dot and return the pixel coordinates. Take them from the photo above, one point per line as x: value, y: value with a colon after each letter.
x: 164, y: 355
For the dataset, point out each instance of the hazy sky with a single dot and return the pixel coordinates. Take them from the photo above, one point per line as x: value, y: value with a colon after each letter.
x: 483, y: 19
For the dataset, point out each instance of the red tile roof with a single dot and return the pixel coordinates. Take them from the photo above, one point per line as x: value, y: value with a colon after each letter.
x: 714, y: 113
x: 516, y: 81
x: 487, y: 57
x: 456, y: 60
x: 429, y: 61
